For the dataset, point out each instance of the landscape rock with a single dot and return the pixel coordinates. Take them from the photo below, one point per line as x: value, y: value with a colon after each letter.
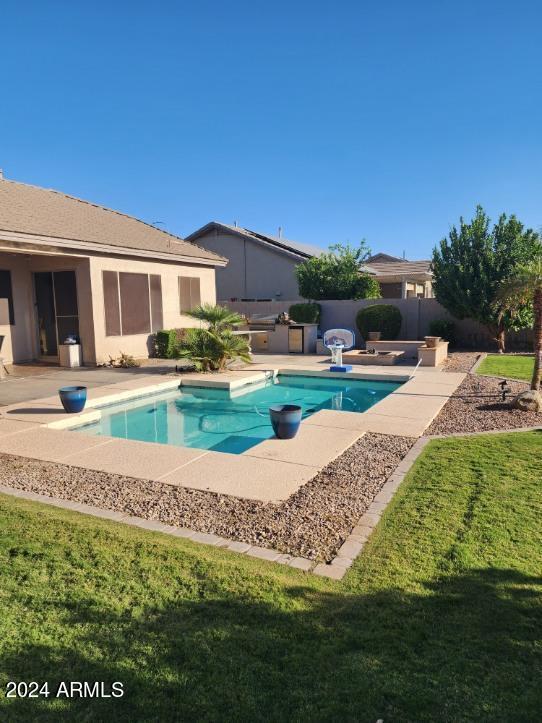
x: 529, y: 401
x: 313, y: 523
x: 477, y: 406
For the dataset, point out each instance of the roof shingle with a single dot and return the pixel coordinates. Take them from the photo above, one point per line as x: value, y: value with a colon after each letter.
x: 44, y: 212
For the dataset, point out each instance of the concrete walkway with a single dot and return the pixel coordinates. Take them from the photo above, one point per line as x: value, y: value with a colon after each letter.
x: 27, y: 382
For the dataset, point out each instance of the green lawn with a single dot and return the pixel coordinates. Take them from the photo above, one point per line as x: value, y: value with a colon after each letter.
x: 513, y: 367
x: 439, y: 620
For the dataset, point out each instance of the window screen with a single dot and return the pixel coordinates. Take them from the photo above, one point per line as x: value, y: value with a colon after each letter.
x: 7, y: 293
x: 157, y: 321
x: 189, y: 293
x: 134, y: 303
x: 111, y: 303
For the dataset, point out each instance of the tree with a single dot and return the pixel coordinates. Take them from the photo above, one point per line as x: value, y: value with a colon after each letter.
x: 471, y: 264
x: 337, y: 275
x: 214, y: 345
x: 523, y: 287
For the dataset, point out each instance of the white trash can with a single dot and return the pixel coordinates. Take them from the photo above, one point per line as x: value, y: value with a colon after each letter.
x: 69, y: 355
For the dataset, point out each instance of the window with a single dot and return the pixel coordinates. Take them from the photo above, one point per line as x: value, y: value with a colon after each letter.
x: 157, y: 321
x: 189, y: 293
x: 135, y: 310
x: 6, y: 292
x: 111, y: 303
x: 132, y: 303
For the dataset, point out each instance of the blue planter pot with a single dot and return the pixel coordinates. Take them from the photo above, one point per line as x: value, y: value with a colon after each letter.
x: 73, y: 398
x: 285, y: 419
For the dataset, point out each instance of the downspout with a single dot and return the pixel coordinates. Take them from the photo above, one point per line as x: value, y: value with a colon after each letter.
x: 245, y: 294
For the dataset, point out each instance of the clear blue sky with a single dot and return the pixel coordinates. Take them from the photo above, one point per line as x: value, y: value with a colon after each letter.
x: 335, y: 120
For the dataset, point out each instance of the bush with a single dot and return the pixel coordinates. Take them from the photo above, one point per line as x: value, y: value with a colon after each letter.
x: 308, y: 313
x: 166, y: 343
x: 443, y: 328
x: 384, y: 318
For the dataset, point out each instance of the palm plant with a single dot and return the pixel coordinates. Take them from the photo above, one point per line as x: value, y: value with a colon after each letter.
x: 213, y: 346
x: 525, y: 286
x: 216, y: 317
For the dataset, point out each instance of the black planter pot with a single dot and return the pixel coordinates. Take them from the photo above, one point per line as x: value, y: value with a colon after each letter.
x: 285, y: 419
x: 73, y: 398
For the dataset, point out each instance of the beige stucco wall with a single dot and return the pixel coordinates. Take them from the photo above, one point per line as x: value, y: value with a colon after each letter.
x: 254, y: 270
x: 139, y: 345
x: 18, y: 339
x: 21, y: 340
x: 84, y: 301
x: 417, y: 315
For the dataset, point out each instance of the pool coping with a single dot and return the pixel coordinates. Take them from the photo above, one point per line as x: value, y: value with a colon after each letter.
x: 270, y: 471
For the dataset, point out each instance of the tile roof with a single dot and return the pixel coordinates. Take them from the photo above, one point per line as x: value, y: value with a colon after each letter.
x: 399, y: 268
x: 39, y: 211
x: 383, y: 257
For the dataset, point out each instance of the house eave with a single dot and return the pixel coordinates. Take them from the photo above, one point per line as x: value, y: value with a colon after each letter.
x: 392, y: 278
x: 18, y: 237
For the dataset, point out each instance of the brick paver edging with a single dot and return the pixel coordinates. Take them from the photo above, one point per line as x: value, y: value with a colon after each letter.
x: 205, y: 538
x: 477, y: 363
x: 354, y: 543
x: 348, y: 552
x: 536, y: 428
x: 335, y: 570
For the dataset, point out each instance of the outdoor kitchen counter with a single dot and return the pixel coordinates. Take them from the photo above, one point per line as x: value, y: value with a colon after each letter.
x: 287, y: 339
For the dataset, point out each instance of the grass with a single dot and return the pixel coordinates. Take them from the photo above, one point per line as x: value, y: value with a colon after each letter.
x: 440, y: 618
x: 512, y: 367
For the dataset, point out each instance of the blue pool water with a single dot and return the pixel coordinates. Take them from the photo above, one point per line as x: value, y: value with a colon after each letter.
x: 225, y: 421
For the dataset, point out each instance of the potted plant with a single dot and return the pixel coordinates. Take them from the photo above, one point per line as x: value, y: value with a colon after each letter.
x: 374, y: 335
x: 285, y: 419
x: 73, y: 398
x: 431, y: 341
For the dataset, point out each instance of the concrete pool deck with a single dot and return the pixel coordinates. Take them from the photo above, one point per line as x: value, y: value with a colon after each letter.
x: 269, y: 472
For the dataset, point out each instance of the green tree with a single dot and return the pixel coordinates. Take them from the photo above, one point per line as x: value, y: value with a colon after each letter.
x: 523, y: 287
x: 337, y: 274
x: 471, y: 264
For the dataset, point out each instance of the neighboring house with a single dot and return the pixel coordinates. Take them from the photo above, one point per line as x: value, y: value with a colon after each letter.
x: 399, y: 278
x: 259, y: 267
x: 262, y: 267
x: 71, y: 266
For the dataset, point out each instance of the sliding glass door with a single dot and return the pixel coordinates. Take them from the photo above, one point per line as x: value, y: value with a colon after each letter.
x: 56, y: 308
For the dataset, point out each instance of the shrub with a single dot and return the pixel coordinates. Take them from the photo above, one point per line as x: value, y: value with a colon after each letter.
x: 337, y: 275
x: 308, y: 313
x: 212, y: 351
x: 166, y: 343
x: 124, y: 361
x: 384, y: 318
x: 443, y: 328
x: 212, y: 347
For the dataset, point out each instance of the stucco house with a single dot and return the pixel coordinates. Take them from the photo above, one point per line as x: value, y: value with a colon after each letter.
x: 399, y: 278
x: 262, y: 266
x: 68, y: 266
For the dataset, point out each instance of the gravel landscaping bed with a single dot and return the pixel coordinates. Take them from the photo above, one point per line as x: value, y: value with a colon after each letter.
x: 313, y: 523
x: 476, y: 406
x: 460, y: 361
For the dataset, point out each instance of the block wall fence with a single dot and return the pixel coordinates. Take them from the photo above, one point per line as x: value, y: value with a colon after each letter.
x: 417, y: 316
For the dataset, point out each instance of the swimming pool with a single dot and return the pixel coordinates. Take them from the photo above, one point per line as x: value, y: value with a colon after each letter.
x: 231, y: 421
